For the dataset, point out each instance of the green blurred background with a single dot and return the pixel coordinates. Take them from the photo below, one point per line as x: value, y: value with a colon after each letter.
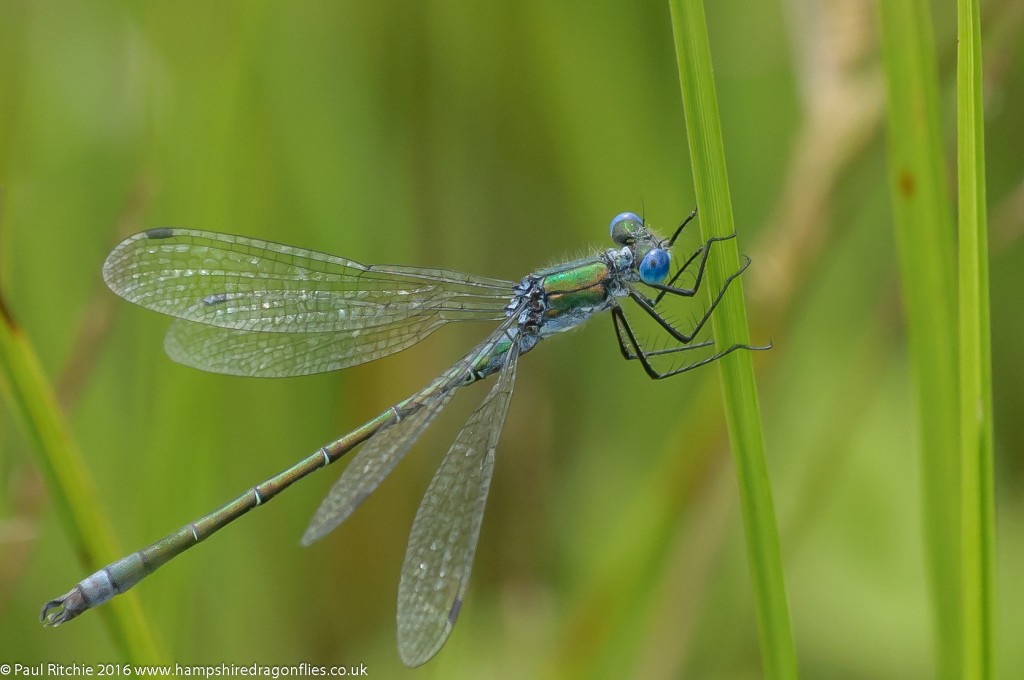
x: 494, y: 138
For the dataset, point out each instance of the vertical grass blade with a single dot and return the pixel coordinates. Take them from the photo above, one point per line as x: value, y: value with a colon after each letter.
x: 707, y: 156
x: 923, y: 223
x: 32, y: 400
x: 977, y: 510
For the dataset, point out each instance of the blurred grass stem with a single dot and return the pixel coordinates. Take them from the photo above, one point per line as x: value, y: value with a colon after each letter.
x: 923, y: 226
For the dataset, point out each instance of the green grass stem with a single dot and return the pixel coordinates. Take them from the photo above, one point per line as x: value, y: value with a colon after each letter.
x: 977, y: 511
x: 743, y: 416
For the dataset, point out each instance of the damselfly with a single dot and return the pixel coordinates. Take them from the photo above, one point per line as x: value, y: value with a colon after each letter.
x: 255, y: 308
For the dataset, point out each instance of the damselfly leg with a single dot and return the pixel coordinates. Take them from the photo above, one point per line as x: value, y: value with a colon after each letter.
x: 632, y: 348
x: 625, y: 335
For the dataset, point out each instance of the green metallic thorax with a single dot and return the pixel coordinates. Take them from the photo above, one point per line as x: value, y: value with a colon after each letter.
x: 582, y: 286
x: 569, y: 294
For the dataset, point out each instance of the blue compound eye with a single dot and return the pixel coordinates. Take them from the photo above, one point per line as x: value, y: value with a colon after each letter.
x: 654, y: 266
x: 625, y: 227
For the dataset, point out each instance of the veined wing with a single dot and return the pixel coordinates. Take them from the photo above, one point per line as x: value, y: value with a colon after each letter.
x: 444, y: 534
x: 252, y: 285
x: 277, y: 355
x: 379, y: 456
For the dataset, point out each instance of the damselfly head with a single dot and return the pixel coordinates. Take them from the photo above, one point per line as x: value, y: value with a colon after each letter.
x: 650, y: 252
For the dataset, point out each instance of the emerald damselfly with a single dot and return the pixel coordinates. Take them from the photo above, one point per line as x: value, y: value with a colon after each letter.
x: 255, y: 308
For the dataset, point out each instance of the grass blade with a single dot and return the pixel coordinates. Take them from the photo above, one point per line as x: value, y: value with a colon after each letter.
x: 922, y: 220
x: 975, y: 353
x: 32, y: 400
x: 707, y: 156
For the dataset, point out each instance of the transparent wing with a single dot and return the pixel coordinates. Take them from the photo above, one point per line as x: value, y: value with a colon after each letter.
x: 247, y: 284
x: 277, y: 355
x: 444, y: 534
x: 379, y: 456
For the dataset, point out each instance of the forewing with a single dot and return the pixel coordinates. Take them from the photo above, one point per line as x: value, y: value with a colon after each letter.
x: 248, y: 284
x: 444, y: 534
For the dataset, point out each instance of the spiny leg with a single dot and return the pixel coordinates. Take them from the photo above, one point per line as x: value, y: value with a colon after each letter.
x: 620, y: 322
x: 704, y: 250
x: 648, y: 306
x: 620, y: 318
x: 679, y: 229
